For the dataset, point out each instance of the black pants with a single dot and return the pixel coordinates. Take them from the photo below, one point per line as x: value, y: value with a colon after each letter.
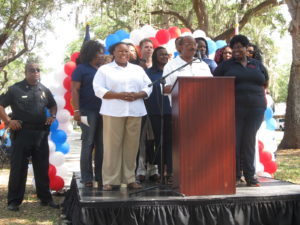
x: 167, y: 141
x: 248, y: 121
x: 26, y: 143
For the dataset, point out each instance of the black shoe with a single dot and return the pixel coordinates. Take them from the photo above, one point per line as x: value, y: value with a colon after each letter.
x: 252, y: 182
x: 13, y: 207
x: 50, y: 204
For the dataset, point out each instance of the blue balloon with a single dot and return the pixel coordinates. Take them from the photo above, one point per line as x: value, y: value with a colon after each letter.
x: 268, y: 113
x: 122, y: 34
x: 64, y: 148
x: 220, y: 43
x: 48, y: 114
x: 176, y: 54
x: 54, y: 126
x: 111, y: 40
x: 271, y: 124
x: 58, y: 136
x: 106, y: 52
x: 212, y: 47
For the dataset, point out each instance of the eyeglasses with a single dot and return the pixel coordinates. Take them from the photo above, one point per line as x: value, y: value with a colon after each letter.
x: 250, y: 52
x: 34, y: 70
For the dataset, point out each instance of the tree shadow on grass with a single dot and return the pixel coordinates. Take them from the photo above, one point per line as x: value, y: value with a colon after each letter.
x: 30, y: 210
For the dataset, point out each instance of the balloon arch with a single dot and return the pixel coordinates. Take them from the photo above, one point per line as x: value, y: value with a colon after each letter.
x: 61, y: 89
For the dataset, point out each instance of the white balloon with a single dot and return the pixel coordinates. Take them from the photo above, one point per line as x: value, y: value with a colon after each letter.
x: 67, y: 127
x: 136, y: 36
x: 63, y: 116
x: 60, y: 101
x: 60, y: 75
x: 58, y: 90
x: 57, y: 159
x: 128, y: 41
x: 30, y: 169
x: 259, y: 168
x: 199, y: 33
x: 52, y: 146
x: 62, y: 171
x: 265, y: 174
x: 186, y: 34
x: 148, y: 31
x: 171, y: 48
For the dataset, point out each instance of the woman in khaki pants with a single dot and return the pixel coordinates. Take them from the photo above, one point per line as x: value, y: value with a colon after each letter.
x: 122, y: 87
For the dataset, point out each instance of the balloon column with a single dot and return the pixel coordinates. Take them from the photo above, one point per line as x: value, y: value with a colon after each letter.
x: 266, y: 165
x: 60, y: 87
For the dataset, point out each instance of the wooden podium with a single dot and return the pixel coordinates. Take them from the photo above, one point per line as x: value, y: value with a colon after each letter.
x: 203, y: 116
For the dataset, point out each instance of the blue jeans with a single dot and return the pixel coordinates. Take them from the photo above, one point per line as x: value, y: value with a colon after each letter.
x: 248, y: 121
x: 92, y: 139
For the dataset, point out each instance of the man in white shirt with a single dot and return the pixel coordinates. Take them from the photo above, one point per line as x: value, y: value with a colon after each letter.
x: 188, y: 47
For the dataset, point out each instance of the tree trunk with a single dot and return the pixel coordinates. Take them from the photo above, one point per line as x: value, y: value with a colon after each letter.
x: 291, y: 138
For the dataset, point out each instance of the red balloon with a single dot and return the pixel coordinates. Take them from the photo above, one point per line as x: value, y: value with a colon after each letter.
x: 69, y: 68
x: 67, y: 83
x: 265, y: 157
x: 174, y: 32
x: 74, y: 56
x: 185, y: 30
x: 260, y: 146
x: 69, y: 107
x: 2, y: 125
x: 68, y: 96
x: 56, y: 183
x: 270, y: 167
x: 163, y: 36
x: 51, y: 171
x: 154, y: 42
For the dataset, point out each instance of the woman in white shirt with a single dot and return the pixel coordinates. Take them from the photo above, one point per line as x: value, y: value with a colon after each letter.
x: 122, y: 87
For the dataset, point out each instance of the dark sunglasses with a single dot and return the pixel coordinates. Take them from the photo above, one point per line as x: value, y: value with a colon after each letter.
x: 34, y: 70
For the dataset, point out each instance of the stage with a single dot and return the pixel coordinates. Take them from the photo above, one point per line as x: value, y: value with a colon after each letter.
x: 273, y: 203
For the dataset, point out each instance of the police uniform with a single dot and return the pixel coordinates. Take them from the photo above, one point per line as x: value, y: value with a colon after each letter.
x: 28, y: 104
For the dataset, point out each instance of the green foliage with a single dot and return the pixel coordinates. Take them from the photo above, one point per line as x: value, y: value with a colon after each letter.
x: 22, y: 24
x: 74, y: 46
x: 280, y: 87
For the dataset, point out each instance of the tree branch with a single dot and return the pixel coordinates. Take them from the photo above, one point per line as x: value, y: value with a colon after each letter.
x: 175, y: 14
x: 256, y: 11
x: 5, y: 78
x: 118, y: 21
x: 200, y: 10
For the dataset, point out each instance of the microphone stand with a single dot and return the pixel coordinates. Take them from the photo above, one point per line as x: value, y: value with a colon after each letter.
x: 162, y: 80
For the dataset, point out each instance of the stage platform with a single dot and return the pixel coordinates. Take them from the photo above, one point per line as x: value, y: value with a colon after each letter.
x: 273, y: 203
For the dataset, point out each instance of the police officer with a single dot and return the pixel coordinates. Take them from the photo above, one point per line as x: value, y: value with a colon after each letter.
x: 29, y: 125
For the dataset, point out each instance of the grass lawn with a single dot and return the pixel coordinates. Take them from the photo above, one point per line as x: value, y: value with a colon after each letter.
x: 32, y: 213
x: 288, y: 165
